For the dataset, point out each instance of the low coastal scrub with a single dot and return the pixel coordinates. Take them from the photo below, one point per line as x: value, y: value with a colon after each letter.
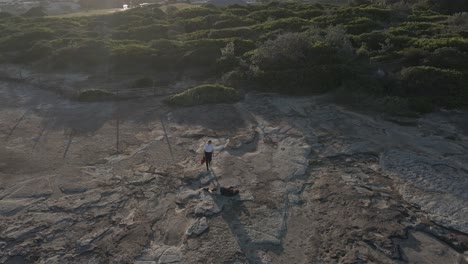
x: 402, y: 54
x: 205, y: 94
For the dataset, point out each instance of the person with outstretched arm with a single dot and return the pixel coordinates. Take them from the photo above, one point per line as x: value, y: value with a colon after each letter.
x: 208, y: 149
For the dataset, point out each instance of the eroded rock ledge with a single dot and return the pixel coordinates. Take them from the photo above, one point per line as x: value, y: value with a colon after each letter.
x: 319, y: 184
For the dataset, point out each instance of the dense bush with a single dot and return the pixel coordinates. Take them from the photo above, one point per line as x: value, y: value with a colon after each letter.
x: 195, y: 12
x: 450, y: 58
x: 240, y: 32
x: 131, y: 56
x: 430, y: 82
x: 291, y: 24
x: 413, y: 56
x: 25, y: 39
x: 270, y: 14
x: 233, y: 22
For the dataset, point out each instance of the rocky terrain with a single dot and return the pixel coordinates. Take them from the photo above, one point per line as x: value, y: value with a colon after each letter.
x: 319, y: 183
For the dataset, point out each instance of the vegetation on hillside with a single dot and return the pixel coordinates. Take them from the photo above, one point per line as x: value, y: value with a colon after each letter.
x: 412, y: 56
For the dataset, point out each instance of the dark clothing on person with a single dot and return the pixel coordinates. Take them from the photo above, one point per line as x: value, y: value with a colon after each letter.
x: 208, y: 157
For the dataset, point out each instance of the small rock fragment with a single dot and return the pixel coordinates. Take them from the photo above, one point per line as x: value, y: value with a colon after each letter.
x: 198, y: 227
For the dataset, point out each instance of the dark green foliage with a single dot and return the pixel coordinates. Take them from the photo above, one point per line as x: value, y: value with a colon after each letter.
x: 88, y: 53
x: 270, y: 14
x: 150, y: 32
x: 39, y: 50
x: 199, y: 54
x: 131, y: 56
x: 431, y: 44
x: 415, y: 29
x: 442, y: 86
x: 25, y: 39
x: 294, y: 64
x: 413, y: 56
x: 291, y: 47
x: 205, y: 94
x: 237, y: 11
x: 195, y: 12
x: 309, y: 13
x: 362, y: 25
x: 240, y: 32
x: 233, y: 22
x: 291, y: 24
x: 448, y: 7
x: 450, y: 58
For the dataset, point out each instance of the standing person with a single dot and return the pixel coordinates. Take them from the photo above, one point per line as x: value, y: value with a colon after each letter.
x: 208, y: 149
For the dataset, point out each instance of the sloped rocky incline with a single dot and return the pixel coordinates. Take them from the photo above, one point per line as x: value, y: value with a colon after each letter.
x: 319, y: 184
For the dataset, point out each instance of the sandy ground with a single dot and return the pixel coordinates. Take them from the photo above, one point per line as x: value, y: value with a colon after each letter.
x: 319, y: 184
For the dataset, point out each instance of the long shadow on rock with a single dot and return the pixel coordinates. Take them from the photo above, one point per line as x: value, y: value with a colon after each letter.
x: 233, y: 209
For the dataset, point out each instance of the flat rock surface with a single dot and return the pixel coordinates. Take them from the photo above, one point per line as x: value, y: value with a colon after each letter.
x: 318, y: 183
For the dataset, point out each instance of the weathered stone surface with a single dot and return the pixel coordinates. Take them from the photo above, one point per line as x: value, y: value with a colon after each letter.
x: 11, y: 207
x: 75, y: 201
x: 208, y: 206
x: 72, y: 188
x: 420, y: 247
x: 33, y: 189
x: 171, y: 255
x: 318, y: 183
x: 198, y: 227
x: 438, y: 186
x: 186, y: 195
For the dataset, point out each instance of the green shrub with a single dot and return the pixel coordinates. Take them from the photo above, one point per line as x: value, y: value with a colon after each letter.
x: 241, y: 32
x: 94, y: 95
x: 25, y: 39
x: 291, y: 24
x: 205, y: 94
x: 309, y: 13
x: 149, y: 32
x: 299, y: 81
x: 86, y: 54
x: 233, y: 22
x: 362, y: 25
x: 421, y: 104
x: 204, y: 56
x: 448, y: 57
x: 195, y: 12
x: 273, y: 14
x: 372, y: 40
x: 39, y: 50
x: 237, y: 11
x: 131, y: 56
x: 393, y: 105
x: 413, y: 56
x: 431, y: 44
x: 430, y: 82
x: 415, y: 29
